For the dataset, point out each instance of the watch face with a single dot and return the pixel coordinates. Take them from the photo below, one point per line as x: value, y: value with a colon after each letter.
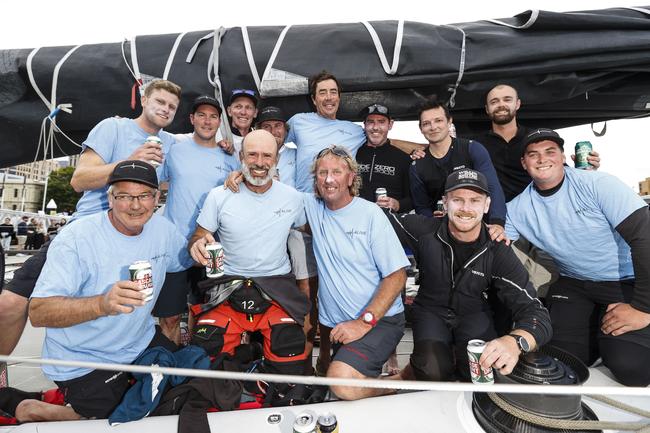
x: 367, y: 317
x: 523, y: 344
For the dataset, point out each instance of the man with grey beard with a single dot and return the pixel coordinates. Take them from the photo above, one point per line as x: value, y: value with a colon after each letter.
x: 253, y: 226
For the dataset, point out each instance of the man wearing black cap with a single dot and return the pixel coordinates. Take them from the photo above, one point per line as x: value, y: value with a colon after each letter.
x: 92, y: 310
x: 241, y: 111
x: 598, y: 232
x: 382, y: 165
x: 194, y: 165
x: 458, y: 262
x: 109, y: 142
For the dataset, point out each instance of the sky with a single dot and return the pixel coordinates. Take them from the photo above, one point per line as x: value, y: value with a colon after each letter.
x: 624, y: 150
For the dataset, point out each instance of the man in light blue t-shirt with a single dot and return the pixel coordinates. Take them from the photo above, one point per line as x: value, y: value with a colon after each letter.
x: 360, y: 270
x: 111, y: 141
x: 253, y: 226
x: 85, y: 298
x: 193, y: 166
x: 598, y: 232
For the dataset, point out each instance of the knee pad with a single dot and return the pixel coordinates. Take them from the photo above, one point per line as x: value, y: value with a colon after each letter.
x: 287, y: 340
x: 432, y: 360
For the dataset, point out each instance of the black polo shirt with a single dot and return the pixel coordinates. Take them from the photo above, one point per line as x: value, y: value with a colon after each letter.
x: 506, y: 158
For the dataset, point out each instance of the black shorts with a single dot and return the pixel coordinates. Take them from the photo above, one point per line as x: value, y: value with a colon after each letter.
x: 173, y: 295
x: 98, y: 393
x: 368, y: 354
x: 25, y: 278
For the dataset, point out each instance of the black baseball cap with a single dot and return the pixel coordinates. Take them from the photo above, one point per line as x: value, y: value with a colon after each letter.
x: 542, y: 134
x: 271, y: 113
x: 134, y: 171
x: 206, y: 100
x: 237, y: 93
x: 380, y: 109
x: 467, y: 178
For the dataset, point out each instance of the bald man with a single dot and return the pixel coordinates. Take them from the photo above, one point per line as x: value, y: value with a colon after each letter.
x: 253, y: 226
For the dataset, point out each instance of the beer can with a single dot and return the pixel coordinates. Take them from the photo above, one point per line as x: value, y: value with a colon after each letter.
x: 380, y: 192
x: 327, y: 423
x: 4, y: 375
x: 479, y: 375
x: 582, y: 150
x: 140, y: 271
x: 439, y: 206
x: 305, y: 423
x: 158, y: 141
x: 214, y: 268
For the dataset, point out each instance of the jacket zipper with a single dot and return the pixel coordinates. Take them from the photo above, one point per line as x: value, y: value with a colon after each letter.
x: 372, y: 167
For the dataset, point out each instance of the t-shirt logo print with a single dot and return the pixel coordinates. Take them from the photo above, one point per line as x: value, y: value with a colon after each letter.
x: 280, y: 212
x: 353, y: 232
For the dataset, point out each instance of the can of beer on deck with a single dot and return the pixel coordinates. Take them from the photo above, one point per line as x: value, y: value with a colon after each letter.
x: 583, y: 148
x: 158, y: 141
x: 4, y: 375
x: 380, y: 192
x: 479, y: 375
x: 140, y: 271
x: 327, y: 423
x: 214, y: 268
x: 305, y: 423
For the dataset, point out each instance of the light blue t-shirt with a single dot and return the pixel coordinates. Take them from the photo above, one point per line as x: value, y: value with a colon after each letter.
x: 115, y: 140
x: 193, y: 170
x: 355, y: 248
x: 253, y: 228
x: 576, y: 225
x: 287, y: 164
x: 312, y: 133
x: 85, y: 260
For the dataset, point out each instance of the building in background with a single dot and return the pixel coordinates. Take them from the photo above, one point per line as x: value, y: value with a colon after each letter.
x: 644, y: 187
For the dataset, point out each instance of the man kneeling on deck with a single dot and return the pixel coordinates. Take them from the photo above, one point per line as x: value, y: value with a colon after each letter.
x: 458, y: 263
x: 360, y: 272
x: 258, y: 291
x: 85, y: 297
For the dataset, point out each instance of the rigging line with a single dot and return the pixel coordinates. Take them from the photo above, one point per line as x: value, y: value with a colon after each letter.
x: 461, y: 66
x: 172, y: 54
x: 389, y: 70
x: 126, y: 62
x: 249, y: 57
x: 362, y: 383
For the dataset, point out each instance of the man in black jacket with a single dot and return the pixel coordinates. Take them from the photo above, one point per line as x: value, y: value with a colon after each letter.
x: 458, y: 263
x: 382, y: 165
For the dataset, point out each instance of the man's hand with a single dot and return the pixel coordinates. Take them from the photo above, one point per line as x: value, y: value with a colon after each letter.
x: 123, y: 297
x: 501, y: 353
x: 198, y: 251
x: 234, y: 179
x: 593, y: 159
x: 148, y: 152
x: 388, y: 202
x: 418, y: 154
x: 497, y: 233
x: 226, y: 146
x: 621, y: 318
x: 349, y: 331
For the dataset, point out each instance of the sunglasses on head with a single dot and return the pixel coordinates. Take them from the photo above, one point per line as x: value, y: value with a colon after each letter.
x: 377, y: 108
x: 244, y: 91
x: 336, y: 150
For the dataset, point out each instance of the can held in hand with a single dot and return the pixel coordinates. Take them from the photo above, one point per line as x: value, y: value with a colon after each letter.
x: 214, y: 268
x: 158, y: 141
x: 380, y: 192
x: 305, y: 423
x: 4, y: 375
x: 440, y: 207
x: 583, y: 148
x: 327, y: 423
x: 140, y: 271
x: 479, y: 375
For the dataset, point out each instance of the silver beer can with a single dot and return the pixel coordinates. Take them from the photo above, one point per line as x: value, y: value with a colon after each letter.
x: 380, y: 192
x: 140, y: 271
x: 305, y: 423
x: 479, y: 375
x: 158, y: 141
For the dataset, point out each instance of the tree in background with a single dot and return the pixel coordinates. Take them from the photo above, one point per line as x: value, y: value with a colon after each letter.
x: 59, y: 189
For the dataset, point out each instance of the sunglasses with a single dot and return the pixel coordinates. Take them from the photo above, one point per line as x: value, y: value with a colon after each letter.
x: 336, y: 150
x: 377, y: 108
x: 244, y: 91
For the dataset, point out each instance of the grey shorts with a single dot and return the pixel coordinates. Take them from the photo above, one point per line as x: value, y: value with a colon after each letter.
x: 369, y: 354
x: 301, y: 252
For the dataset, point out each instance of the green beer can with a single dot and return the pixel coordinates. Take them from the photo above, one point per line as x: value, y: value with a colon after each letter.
x: 583, y: 148
x: 479, y: 375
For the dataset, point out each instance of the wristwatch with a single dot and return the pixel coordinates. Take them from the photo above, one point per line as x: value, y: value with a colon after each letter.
x: 522, y: 343
x: 369, y: 318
